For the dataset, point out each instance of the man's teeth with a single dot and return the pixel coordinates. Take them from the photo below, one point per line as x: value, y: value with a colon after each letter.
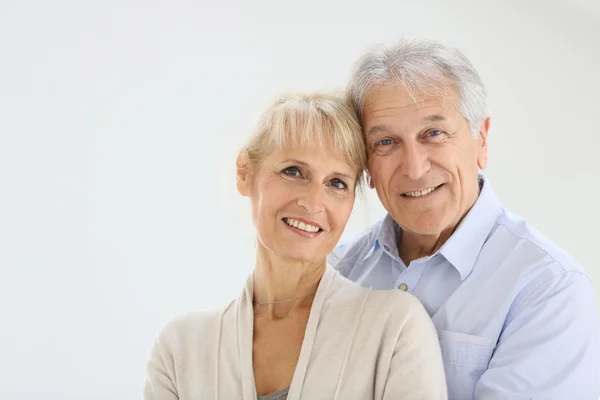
x: 301, y: 225
x: 420, y: 193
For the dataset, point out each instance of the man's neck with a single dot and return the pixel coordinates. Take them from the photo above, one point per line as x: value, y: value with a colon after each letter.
x: 414, y: 246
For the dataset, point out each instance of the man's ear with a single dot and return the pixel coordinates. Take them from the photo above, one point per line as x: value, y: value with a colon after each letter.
x: 482, y: 155
x: 370, y: 181
x: 243, y: 173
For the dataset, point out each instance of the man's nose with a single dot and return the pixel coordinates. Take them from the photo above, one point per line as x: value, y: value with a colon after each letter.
x: 415, y: 161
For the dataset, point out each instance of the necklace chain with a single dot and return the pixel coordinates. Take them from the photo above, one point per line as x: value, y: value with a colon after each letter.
x: 283, y: 301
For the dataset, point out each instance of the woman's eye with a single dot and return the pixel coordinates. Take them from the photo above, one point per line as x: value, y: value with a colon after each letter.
x: 385, y: 142
x: 292, y: 171
x: 339, y: 184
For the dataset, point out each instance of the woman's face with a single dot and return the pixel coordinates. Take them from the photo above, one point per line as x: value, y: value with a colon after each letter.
x: 301, y: 201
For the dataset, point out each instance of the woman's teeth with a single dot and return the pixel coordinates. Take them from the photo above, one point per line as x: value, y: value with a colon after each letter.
x: 301, y: 225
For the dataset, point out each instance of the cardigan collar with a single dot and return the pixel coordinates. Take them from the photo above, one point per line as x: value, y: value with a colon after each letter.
x: 245, y: 329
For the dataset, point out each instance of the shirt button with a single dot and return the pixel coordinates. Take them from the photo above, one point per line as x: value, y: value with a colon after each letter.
x: 403, y: 287
x: 387, y: 248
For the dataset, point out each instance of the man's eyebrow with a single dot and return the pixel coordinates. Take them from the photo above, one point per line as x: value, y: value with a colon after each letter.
x: 380, y: 128
x: 433, y: 118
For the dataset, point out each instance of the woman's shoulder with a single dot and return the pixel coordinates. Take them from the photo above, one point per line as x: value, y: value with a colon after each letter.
x: 399, y: 305
x: 193, y: 325
x: 394, y: 297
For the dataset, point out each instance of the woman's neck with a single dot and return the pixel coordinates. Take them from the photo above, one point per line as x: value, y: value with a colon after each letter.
x: 278, y: 280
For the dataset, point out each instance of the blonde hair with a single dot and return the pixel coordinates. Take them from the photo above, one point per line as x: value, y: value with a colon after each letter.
x: 325, y: 120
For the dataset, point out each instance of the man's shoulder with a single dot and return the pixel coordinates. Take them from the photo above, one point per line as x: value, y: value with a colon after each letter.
x: 348, y: 252
x: 529, y: 262
x: 524, y: 241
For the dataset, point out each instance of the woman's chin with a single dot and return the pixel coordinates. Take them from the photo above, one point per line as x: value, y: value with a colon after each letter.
x: 303, y: 258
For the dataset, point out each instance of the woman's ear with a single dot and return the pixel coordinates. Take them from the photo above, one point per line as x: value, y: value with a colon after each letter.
x: 243, y: 174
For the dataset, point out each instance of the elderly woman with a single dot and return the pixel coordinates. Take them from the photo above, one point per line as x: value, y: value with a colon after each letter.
x: 299, y: 330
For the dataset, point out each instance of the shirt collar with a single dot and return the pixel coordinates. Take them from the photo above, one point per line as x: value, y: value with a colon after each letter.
x: 388, y: 236
x: 463, y: 247
x: 465, y: 244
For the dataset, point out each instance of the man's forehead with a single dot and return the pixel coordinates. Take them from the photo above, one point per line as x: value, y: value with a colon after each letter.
x: 399, y: 97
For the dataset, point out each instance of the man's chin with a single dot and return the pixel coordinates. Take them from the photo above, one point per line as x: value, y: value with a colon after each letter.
x: 430, y: 224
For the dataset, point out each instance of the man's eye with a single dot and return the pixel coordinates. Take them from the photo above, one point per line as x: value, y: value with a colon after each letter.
x: 434, y: 132
x: 292, y: 171
x: 385, y: 142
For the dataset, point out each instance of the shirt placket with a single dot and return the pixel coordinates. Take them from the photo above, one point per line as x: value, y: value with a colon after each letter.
x: 409, y: 278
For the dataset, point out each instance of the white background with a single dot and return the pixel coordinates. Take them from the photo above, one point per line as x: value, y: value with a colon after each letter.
x: 119, y: 126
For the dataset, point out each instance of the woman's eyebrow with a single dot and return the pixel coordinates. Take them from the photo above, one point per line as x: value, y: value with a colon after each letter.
x: 304, y: 164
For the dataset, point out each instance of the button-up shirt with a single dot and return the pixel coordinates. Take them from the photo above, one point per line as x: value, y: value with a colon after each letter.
x: 515, y: 314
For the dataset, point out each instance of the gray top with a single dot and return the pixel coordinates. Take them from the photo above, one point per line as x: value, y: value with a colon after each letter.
x: 278, y: 395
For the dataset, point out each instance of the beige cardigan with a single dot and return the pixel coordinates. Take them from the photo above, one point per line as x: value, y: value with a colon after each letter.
x: 359, y: 344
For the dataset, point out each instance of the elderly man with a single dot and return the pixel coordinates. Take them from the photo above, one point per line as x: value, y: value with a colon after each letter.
x: 515, y: 313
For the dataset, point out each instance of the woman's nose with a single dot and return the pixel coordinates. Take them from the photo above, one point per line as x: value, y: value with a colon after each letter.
x: 312, y: 199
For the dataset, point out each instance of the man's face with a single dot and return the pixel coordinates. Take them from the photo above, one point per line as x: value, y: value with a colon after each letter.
x: 423, y: 158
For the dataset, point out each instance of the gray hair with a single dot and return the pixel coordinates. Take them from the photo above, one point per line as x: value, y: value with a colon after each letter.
x: 423, y: 65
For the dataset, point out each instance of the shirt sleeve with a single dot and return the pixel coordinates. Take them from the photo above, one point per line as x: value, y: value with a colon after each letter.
x: 549, y: 348
x: 417, y: 369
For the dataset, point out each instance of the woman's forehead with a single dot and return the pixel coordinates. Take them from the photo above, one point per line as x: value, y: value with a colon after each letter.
x: 314, y: 156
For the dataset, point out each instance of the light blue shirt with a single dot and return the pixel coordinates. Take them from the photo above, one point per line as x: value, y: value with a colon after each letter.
x: 515, y: 314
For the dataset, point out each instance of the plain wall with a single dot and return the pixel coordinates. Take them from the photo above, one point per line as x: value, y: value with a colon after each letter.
x: 119, y: 126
